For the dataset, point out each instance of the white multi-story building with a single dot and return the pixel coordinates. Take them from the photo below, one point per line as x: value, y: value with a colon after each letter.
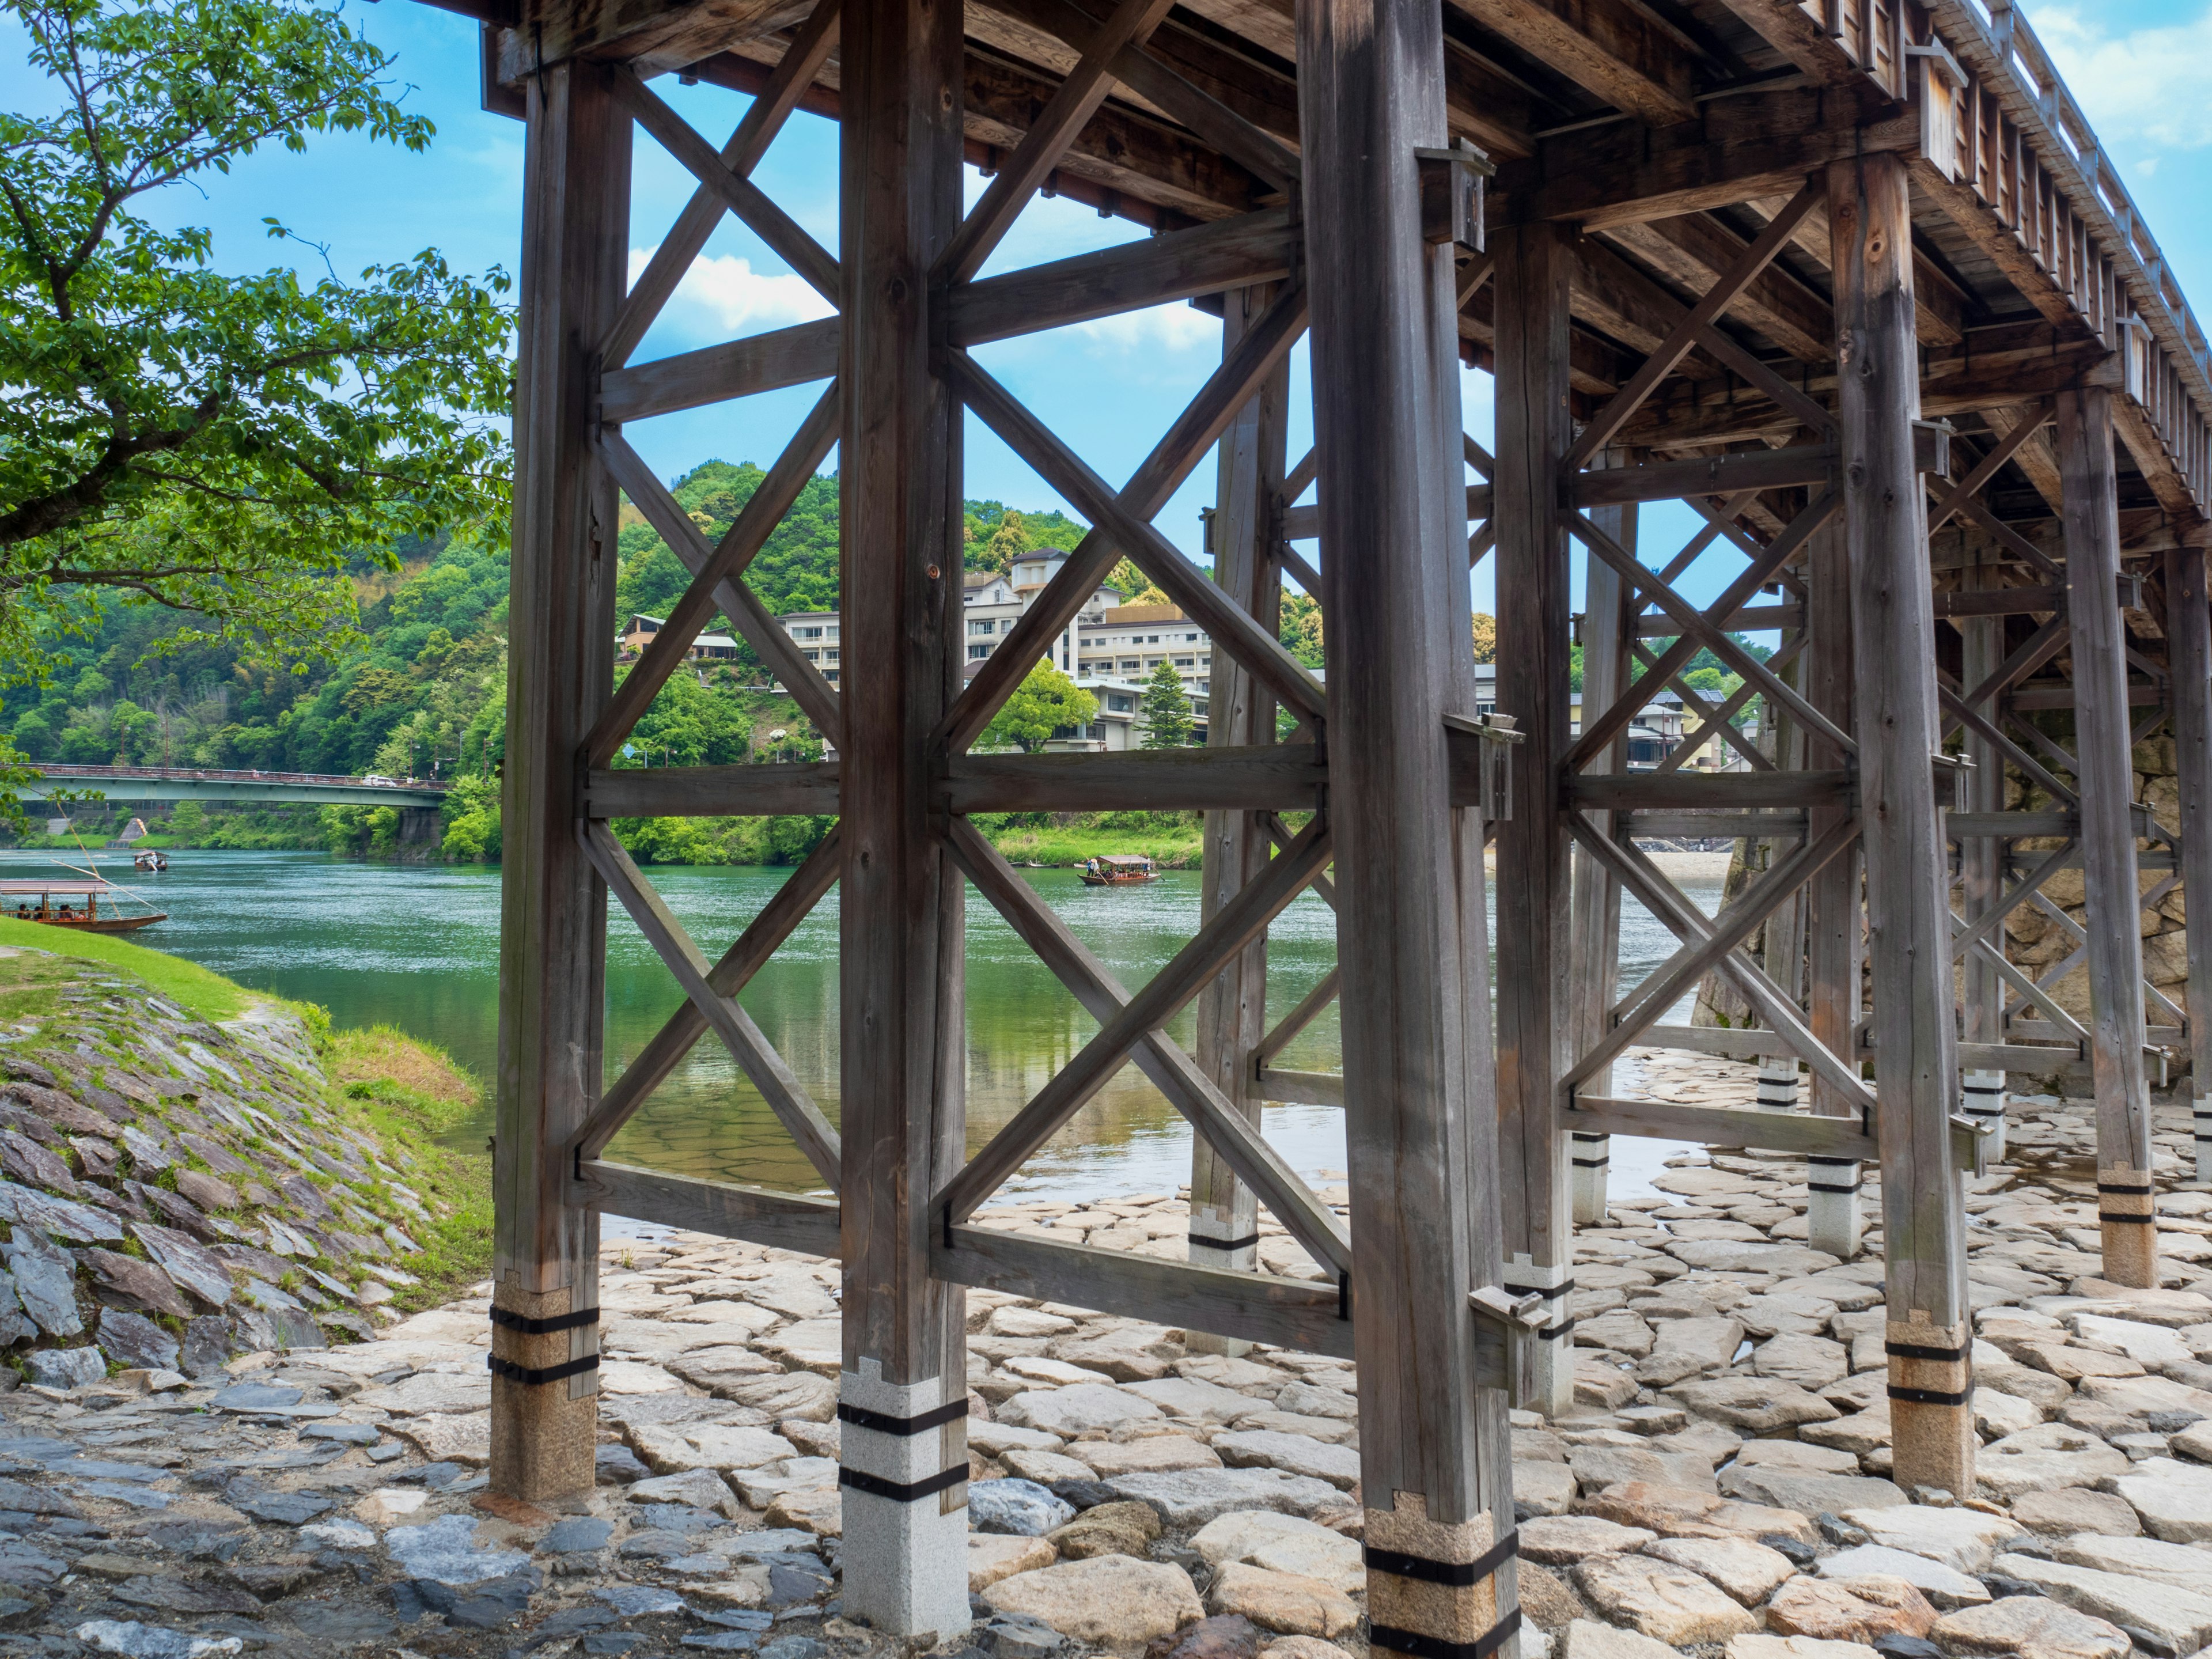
x: 1109, y: 648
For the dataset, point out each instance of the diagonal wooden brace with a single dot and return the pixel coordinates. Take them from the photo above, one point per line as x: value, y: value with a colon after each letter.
x: 786, y: 1096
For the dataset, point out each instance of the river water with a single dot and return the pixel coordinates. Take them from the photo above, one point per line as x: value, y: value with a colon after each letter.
x: 417, y: 947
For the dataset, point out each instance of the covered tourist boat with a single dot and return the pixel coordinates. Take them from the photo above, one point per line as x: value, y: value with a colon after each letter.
x: 72, y: 901
x: 1116, y: 869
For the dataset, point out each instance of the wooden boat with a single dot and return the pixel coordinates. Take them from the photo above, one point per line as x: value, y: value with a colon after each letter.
x: 48, y: 900
x: 1116, y: 869
x: 151, y: 859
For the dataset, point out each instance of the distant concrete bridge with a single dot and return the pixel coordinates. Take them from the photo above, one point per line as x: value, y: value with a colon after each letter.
x: 140, y: 783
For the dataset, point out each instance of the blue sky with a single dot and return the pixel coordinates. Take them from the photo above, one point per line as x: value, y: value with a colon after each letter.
x: 1109, y: 388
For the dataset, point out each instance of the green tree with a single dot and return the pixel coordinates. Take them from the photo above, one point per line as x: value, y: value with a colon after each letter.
x: 1046, y: 703
x: 1485, y: 637
x: 1008, y: 542
x: 1166, y: 709
x: 188, y: 822
x: 220, y: 445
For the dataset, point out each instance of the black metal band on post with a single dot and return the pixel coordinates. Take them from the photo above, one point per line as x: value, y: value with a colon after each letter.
x: 1913, y: 1351
x: 2132, y: 1220
x: 1416, y: 1646
x: 876, y: 1487
x: 2126, y: 1191
x: 1831, y: 1187
x: 1226, y: 1244
x: 1457, y: 1574
x: 529, y: 1378
x: 510, y: 1321
x: 883, y: 1423
x: 1927, y: 1396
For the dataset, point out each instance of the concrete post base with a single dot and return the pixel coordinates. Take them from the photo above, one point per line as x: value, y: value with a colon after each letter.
x: 1589, y: 1157
x: 1985, y: 1103
x: 906, y: 1526
x: 1835, y: 1219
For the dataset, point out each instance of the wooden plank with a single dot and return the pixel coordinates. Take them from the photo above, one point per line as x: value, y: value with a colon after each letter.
x: 756, y: 522
x: 2110, y: 888
x: 901, y: 1026
x: 1230, y: 629
x: 1624, y: 55
x: 739, y: 368
x: 1301, y: 1088
x: 782, y: 1221
x: 2005, y: 826
x: 552, y: 1002
x: 1694, y: 250
x: 1719, y: 1125
x: 1303, y: 524
x: 1288, y: 1313
x: 737, y: 600
x: 778, y: 230
x: 1209, y: 1109
x: 794, y: 901
x: 1180, y: 448
x: 1751, y: 619
x: 2189, y: 652
x: 1260, y: 246
x: 764, y: 119
x: 1264, y: 777
x: 653, y: 34
x: 1411, y: 938
x: 1081, y: 91
x: 1908, y: 908
x: 1534, y: 868
x: 1714, y: 475
x: 1162, y: 997
x: 756, y: 1056
x: 790, y: 789
x: 1754, y: 145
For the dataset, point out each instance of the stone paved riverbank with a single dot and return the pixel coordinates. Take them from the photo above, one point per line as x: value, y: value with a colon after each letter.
x: 1723, y: 1488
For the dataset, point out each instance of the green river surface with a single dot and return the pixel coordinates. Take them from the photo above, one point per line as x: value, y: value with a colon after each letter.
x: 417, y: 947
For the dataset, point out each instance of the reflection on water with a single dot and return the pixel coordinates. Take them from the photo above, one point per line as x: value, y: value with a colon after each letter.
x: 417, y: 948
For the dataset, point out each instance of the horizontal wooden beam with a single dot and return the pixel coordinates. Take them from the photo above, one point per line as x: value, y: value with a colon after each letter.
x: 654, y: 35
x: 1302, y: 1088
x: 1740, y: 791
x: 1748, y: 1043
x: 1802, y: 465
x: 690, y: 379
x: 1756, y: 144
x: 1780, y: 825
x: 1288, y: 1313
x: 1751, y: 619
x: 1722, y: 1126
x: 1302, y: 524
x: 1983, y: 826
x: 1270, y: 777
x: 1614, y: 49
x: 784, y: 1221
x: 789, y: 790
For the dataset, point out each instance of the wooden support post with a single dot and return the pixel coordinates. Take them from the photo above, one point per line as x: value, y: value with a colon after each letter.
x: 2189, y: 649
x: 1595, y: 972
x: 2105, y: 765
x: 1907, y: 879
x: 1534, y: 429
x: 1232, y: 1010
x: 904, y: 1053
x: 1782, y: 948
x: 1981, y: 866
x: 553, y: 914
x: 1835, y: 1220
x: 1419, y: 1091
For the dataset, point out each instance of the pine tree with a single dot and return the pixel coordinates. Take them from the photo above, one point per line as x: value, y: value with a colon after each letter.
x: 1167, y: 709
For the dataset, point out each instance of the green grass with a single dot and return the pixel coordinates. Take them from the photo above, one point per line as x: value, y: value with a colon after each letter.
x: 187, y: 984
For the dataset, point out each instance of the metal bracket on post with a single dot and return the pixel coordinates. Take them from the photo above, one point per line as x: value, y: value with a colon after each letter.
x: 1504, y: 1325
x: 1970, y: 1141
x: 1498, y: 733
x: 1453, y: 189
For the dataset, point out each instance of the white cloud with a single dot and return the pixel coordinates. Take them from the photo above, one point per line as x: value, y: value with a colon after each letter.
x: 1170, y: 328
x: 723, y: 297
x: 2145, y: 84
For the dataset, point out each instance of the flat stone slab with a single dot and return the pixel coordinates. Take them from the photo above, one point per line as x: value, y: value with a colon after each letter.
x: 2032, y: 1627
x: 1967, y: 1540
x: 1192, y: 1498
x: 1077, y: 1410
x: 1946, y: 1586
x: 2177, y: 1565
x: 1109, y: 1599
x: 2174, y: 1498
x: 1560, y: 1541
x: 1667, y: 1603
x: 2047, y: 1458
x: 2180, y: 1620
x: 1284, y: 1543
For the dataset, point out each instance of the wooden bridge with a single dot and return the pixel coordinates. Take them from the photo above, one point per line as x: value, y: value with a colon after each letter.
x: 1851, y: 278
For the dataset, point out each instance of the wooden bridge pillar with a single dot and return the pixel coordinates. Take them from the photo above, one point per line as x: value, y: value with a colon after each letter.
x: 1835, y: 1219
x: 2189, y: 643
x: 1907, y: 876
x: 2103, y: 752
x: 1535, y: 428
x: 1981, y: 864
x: 1420, y: 1089
x: 1232, y: 1010
x: 553, y: 908
x: 904, y: 1395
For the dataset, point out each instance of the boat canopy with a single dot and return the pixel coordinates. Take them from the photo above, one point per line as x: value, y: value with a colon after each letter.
x: 1123, y: 861
x: 61, y: 885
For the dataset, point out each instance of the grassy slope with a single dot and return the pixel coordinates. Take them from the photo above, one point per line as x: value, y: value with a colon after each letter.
x: 408, y: 1094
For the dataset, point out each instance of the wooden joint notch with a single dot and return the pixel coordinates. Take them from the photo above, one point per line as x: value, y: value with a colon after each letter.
x: 1505, y: 1326
x: 1972, y: 1137
x: 1454, y: 190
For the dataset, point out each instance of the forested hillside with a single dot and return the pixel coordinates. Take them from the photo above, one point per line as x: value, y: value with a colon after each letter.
x: 422, y: 692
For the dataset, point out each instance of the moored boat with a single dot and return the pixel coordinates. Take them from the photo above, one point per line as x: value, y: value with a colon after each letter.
x: 49, y: 900
x: 1116, y: 869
